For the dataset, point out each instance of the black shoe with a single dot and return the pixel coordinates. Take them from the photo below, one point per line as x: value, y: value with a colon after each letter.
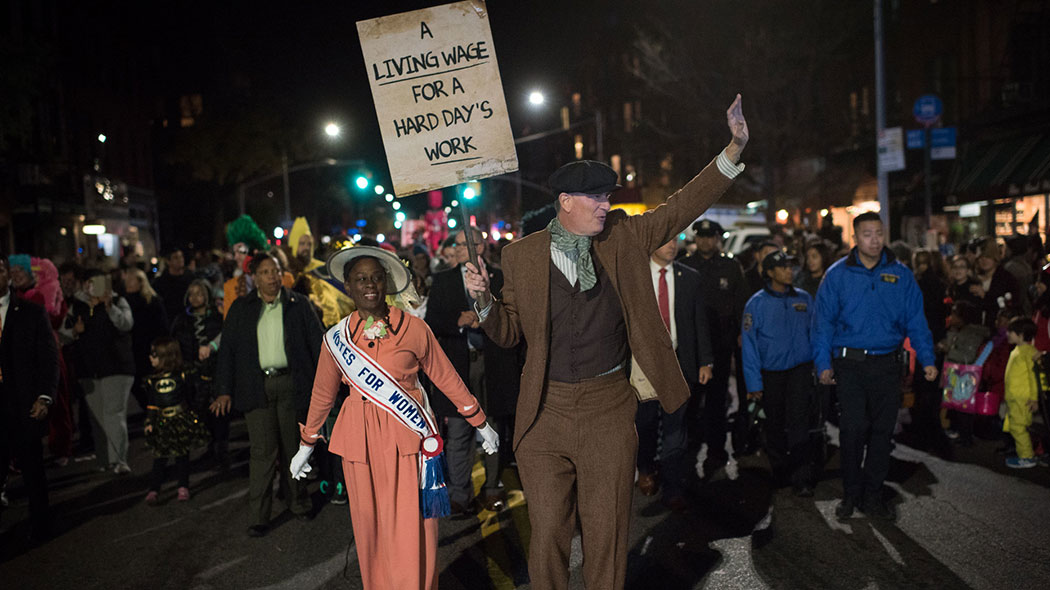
x: 878, y: 508
x: 305, y: 517
x: 459, y: 510
x: 804, y: 491
x: 258, y: 530
x: 845, y: 508
x: 1007, y: 449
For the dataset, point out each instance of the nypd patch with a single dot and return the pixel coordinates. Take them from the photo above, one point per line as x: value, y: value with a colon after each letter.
x: 800, y: 306
x: 748, y: 322
x: 888, y: 278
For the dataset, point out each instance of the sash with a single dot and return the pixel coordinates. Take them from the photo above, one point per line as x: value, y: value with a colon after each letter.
x: 373, y: 382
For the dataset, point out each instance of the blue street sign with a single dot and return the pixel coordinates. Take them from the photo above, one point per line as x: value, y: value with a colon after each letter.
x: 928, y: 109
x: 942, y: 143
x: 916, y: 139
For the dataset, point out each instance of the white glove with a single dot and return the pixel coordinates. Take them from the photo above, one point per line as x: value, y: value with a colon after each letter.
x: 300, y: 465
x: 489, y: 439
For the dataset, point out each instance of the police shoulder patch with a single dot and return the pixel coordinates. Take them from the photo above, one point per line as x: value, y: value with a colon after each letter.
x: 889, y: 278
x: 800, y: 306
x: 748, y: 321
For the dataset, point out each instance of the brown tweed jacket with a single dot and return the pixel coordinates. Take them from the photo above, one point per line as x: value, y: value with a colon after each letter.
x: 623, y: 249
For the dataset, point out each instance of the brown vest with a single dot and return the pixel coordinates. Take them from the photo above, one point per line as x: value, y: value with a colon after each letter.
x: 588, y: 333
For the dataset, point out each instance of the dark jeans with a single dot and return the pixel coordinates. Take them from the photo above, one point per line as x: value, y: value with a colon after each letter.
x: 647, y: 421
x: 869, y: 395
x: 789, y: 400
x: 182, y: 471
x: 710, y: 425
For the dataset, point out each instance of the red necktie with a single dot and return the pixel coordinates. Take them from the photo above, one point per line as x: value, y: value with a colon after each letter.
x: 662, y: 299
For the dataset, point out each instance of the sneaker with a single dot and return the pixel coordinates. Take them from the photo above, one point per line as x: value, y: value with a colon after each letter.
x: 952, y: 434
x: 339, y: 497
x: 3, y: 500
x: 879, y: 508
x: 1043, y: 460
x: 151, y: 497
x: 121, y: 469
x: 184, y: 494
x: 62, y: 461
x: 1019, y: 463
x: 845, y: 508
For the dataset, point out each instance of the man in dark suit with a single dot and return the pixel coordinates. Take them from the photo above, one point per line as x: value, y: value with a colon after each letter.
x: 681, y: 306
x: 489, y: 371
x: 267, y: 361
x: 28, y: 382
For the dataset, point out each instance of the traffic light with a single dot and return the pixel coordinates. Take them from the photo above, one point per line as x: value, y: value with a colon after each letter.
x: 471, y: 190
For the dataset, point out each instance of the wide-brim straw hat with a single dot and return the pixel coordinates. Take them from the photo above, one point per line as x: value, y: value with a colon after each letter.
x: 397, y: 275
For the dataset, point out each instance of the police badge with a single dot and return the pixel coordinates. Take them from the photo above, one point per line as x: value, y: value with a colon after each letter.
x: 723, y: 283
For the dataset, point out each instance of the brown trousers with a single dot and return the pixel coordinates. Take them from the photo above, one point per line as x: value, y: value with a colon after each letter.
x: 578, y: 459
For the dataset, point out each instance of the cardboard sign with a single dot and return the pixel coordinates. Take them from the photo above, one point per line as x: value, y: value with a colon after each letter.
x: 438, y: 96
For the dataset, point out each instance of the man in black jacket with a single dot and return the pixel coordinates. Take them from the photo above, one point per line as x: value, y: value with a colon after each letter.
x: 28, y: 382
x: 270, y: 344
x: 489, y: 371
x: 677, y: 288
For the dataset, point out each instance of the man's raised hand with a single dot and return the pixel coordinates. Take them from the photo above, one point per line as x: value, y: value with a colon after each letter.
x: 737, y: 128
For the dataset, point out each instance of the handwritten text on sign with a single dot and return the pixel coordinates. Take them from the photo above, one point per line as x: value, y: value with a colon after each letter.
x: 438, y: 96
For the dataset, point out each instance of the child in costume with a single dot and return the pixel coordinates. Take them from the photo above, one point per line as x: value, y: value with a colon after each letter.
x: 172, y: 428
x: 1021, y: 392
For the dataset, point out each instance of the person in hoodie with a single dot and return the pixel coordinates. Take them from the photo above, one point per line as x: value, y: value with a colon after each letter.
x: 867, y: 305
x: 198, y: 330
x: 778, y: 370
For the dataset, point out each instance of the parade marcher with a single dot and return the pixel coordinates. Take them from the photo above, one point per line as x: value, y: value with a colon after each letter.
x: 778, y: 368
x: 101, y: 322
x: 198, y: 330
x: 682, y: 310
x: 995, y: 286
x: 245, y: 238
x: 755, y: 275
x: 270, y: 343
x: 150, y: 322
x: 386, y: 433
x: 815, y: 264
x: 724, y: 292
x: 325, y: 291
x: 486, y: 368
x: 172, y: 284
x: 172, y: 428
x: 866, y: 306
x: 28, y: 385
x: 581, y: 295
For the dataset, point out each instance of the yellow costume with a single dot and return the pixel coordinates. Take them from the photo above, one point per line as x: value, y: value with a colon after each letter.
x: 324, y: 292
x: 1020, y: 390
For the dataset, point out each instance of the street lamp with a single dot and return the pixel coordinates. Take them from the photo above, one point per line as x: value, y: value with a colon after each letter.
x: 332, y: 130
x: 102, y: 138
x: 536, y: 98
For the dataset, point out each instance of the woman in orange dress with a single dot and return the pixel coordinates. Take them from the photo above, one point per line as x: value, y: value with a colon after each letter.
x: 396, y: 544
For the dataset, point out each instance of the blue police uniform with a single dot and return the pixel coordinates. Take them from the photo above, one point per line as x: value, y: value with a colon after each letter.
x: 777, y: 361
x: 862, y: 317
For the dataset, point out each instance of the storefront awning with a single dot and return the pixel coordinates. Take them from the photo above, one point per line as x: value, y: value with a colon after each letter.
x: 1005, y: 167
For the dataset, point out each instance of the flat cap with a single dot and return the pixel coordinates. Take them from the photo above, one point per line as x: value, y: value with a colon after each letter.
x: 707, y: 228
x: 584, y: 176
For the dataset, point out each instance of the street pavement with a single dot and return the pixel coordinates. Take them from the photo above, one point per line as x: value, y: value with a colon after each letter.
x: 965, y: 523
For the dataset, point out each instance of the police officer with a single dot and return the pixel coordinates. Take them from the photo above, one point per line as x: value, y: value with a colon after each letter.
x: 724, y: 293
x: 868, y: 303
x: 778, y: 369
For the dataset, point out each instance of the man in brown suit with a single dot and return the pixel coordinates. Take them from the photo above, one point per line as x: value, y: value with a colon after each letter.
x: 581, y: 294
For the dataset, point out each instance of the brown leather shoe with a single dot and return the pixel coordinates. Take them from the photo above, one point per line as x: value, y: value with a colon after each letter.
x: 647, y: 484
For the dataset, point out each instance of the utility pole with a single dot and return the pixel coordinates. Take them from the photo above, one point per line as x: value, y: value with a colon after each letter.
x: 880, y: 118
